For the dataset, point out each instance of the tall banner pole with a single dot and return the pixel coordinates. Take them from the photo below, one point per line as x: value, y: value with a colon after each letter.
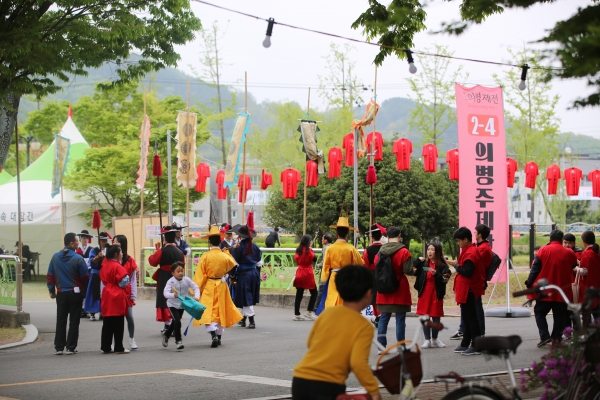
x: 187, y: 185
x: 372, y: 157
x: 20, y: 249
x: 143, y: 143
x: 244, y: 155
x: 355, y: 200
x: 62, y: 210
x: 305, y: 176
x: 169, y: 177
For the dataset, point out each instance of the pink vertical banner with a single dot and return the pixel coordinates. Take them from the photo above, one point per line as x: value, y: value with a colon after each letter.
x: 482, y: 197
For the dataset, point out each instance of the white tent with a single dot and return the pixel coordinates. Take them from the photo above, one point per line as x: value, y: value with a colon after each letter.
x: 40, y: 213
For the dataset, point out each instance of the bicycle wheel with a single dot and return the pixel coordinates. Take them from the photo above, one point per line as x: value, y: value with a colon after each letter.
x: 473, y: 393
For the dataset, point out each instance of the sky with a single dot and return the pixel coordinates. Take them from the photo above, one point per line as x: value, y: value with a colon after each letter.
x: 295, y: 59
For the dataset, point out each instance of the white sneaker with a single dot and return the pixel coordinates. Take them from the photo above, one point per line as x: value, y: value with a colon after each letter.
x: 426, y: 344
x: 298, y: 318
x: 132, y: 344
x: 310, y: 315
x: 437, y: 343
x: 125, y: 351
x: 92, y: 317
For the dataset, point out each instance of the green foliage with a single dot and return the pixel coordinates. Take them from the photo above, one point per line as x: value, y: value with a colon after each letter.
x: 578, y: 211
x: 340, y: 88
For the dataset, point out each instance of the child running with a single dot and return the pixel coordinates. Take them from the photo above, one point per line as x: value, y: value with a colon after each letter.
x: 323, y: 371
x: 178, y: 284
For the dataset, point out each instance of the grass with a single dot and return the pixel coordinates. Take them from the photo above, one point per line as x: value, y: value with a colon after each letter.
x: 10, y: 335
x: 35, y: 290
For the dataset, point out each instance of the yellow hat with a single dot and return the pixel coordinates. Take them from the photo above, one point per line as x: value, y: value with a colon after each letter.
x: 213, y: 231
x: 343, y: 223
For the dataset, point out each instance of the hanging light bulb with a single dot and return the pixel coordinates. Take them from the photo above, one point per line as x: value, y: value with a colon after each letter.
x: 267, y: 42
x: 411, y: 62
x: 523, y: 83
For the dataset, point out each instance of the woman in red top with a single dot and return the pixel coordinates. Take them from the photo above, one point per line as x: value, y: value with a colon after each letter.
x: 113, y: 302
x: 589, y: 268
x: 305, y: 278
x: 432, y: 277
x: 131, y: 267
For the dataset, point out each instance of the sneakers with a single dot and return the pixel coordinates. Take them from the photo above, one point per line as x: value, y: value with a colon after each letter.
x: 179, y: 345
x: 471, y: 352
x: 544, y: 342
x: 70, y: 352
x: 58, y: 352
x: 437, y: 343
x: 460, y: 349
x: 92, y: 317
x: 215, y: 342
x: 125, y: 351
x: 132, y: 344
x: 375, y: 322
x: 310, y: 315
x: 426, y: 344
x: 298, y: 318
x: 457, y: 336
x: 165, y: 340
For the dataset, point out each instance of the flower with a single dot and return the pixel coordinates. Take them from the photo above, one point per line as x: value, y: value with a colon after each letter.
x: 552, y: 363
x: 568, y: 330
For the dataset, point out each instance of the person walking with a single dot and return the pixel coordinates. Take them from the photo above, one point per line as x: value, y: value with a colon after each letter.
x: 131, y: 267
x: 114, y: 301
x: 590, y: 267
x: 65, y: 279
x: 326, y: 241
x: 177, y: 285
x: 305, y: 278
x: 369, y: 254
x: 553, y: 263
x: 432, y: 276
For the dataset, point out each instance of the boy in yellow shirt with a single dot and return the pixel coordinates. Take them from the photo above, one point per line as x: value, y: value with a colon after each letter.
x: 339, y: 342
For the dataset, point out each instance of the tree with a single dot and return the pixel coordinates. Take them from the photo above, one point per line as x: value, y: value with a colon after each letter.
x: 43, y: 42
x: 434, y: 96
x: 575, y: 40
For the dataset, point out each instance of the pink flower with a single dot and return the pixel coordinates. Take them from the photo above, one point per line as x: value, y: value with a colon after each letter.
x: 568, y: 330
x: 552, y: 363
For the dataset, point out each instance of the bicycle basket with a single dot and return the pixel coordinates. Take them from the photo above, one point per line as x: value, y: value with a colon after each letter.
x: 389, y: 371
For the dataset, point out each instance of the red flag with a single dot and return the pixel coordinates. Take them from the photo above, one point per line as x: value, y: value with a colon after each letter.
x: 156, y: 166
x: 96, y: 221
x: 371, y: 175
x: 250, y: 221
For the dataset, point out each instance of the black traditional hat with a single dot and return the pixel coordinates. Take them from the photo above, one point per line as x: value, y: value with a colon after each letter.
x: 85, y: 233
x: 244, y: 231
x: 104, y: 236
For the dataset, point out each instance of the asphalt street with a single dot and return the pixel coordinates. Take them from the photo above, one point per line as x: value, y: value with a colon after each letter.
x: 250, y: 364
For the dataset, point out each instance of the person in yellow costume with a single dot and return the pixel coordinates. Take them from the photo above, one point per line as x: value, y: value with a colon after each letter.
x: 339, y: 255
x: 210, y: 276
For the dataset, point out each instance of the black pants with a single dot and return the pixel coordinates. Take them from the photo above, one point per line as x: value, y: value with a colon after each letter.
x: 559, y: 314
x: 305, y: 389
x: 311, y: 301
x: 175, y: 326
x: 68, y: 307
x: 468, y: 313
x: 112, y: 327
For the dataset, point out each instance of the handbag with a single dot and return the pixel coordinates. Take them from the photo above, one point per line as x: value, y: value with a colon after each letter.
x: 191, y: 306
x: 575, y: 287
x: 390, y: 371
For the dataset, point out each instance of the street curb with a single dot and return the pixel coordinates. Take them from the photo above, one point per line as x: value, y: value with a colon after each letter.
x: 31, y: 335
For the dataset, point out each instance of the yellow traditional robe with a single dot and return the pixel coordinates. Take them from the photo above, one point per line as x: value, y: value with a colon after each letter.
x: 215, y: 293
x: 338, y: 255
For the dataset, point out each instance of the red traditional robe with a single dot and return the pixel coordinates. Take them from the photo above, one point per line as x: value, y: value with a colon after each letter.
x: 556, y: 267
x: 348, y: 146
x: 553, y: 175
x: 594, y: 177
x: 511, y: 168
x: 113, y: 302
x: 243, y: 188
x: 203, y: 171
x: 573, y: 179
x: 452, y: 160
x: 402, y: 149
x: 221, y: 189
x: 377, y: 145
x: 290, y: 179
x: 305, y: 277
x: 266, y: 180
x: 462, y: 284
x: 312, y: 176
x: 531, y: 173
x: 335, y: 162
x: 430, y: 155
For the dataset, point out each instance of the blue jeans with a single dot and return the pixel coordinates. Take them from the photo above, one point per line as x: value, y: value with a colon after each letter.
x: 430, y: 333
x: 480, y: 317
x: 383, y: 324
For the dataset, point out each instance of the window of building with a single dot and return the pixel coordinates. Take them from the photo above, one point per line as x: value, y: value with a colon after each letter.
x: 528, y: 197
x: 255, y: 180
x: 528, y: 214
x: 198, y: 214
x: 234, y: 196
x: 516, y: 179
x: 234, y: 214
x: 517, y: 214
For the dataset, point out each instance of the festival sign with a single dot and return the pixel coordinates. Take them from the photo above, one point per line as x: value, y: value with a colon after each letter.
x: 61, y: 158
x: 238, y: 137
x: 482, y: 197
x: 186, y: 146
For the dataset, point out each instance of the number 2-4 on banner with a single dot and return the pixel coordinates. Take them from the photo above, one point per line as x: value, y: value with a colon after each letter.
x: 482, y: 125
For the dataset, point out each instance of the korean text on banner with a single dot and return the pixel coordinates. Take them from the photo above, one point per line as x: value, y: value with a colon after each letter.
x: 235, y: 149
x: 482, y: 195
x: 144, y: 144
x: 186, y: 146
x: 61, y: 158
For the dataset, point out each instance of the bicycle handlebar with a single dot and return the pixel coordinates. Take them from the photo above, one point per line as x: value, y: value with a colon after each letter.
x: 526, y: 291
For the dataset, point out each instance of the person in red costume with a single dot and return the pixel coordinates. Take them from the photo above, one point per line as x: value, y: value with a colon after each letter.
x: 590, y: 266
x: 511, y: 168
x: 244, y: 184
x: 573, y: 180
x: 290, y: 179
x: 335, y: 162
x: 594, y: 177
x: 305, y: 278
x: 312, y: 177
x: 553, y: 175
x: 203, y: 171
x: 531, y: 173
x: 377, y: 140
x: 114, y: 301
x: 402, y: 149
x: 452, y: 160
x: 467, y: 289
x: 221, y: 188
x: 553, y: 263
x: 266, y: 180
x: 348, y: 145
x: 430, y: 155
x: 131, y: 267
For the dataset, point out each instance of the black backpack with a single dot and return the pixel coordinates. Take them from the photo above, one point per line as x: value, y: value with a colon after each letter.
x: 385, y: 277
x: 493, y: 267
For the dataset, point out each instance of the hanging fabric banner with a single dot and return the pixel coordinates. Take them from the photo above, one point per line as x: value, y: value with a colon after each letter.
x: 61, y: 158
x: 482, y: 196
x: 238, y: 138
x: 358, y: 124
x: 308, y: 137
x: 186, y: 149
x: 144, y: 145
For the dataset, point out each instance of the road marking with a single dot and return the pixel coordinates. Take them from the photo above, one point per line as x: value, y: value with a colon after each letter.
x: 239, y: 378
x: 83, y: 378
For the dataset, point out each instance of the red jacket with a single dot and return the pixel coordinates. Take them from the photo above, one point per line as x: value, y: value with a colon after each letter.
x: 555, y: 264
x: 591, y: 261
x: 402, y: 295
x: 485, y: 258
x: 114, y: 297
x: 462, y: 284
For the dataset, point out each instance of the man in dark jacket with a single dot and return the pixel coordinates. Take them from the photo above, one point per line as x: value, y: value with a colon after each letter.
x: 273, y: 238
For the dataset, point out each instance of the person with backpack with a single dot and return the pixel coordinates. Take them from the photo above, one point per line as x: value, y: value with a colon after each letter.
x: 392, y: 264
x: 369, y: 254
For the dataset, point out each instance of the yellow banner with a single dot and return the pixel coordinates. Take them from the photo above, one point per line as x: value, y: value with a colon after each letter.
x: 235, y: 149
x: 186, y: 149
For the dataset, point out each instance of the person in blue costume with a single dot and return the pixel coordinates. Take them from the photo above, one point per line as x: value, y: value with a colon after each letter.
x: 246, y: 273
x: 92, y: 294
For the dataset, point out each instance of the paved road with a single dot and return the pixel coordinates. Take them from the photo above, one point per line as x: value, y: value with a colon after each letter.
x: 250, y: 364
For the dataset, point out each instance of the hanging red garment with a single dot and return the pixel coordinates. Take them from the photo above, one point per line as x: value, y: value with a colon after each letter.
x: 402, y: 149
x: 203, y: 171
x: 290, y: 179
x: 511, y: 168
x: 335, y: 162
x: 553, y: 175
x: 430, y: 156
x: 377, y: 145
x: 312, y: 176
x: 221, y: 190
x: 348, y: 145
x: 452, y: 160
x: 594, y: 177
x: 243, y: 189
x: 573, y: 179
x: 371, y: 175
x: 531, y: 173
x: 266, y: 180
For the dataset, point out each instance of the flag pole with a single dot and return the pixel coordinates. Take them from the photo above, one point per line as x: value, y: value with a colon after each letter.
x: 372, y: 157
x: 142, y: 191
x: 62, y: 209
x: 187, y: 185
x: 20, y: 248
x: 244, y: 159
x: 305, y: 175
